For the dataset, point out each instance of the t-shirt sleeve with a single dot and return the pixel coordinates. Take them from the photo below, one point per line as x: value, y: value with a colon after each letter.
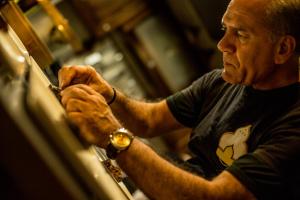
x: 272, y: 170
x: 185, y: 105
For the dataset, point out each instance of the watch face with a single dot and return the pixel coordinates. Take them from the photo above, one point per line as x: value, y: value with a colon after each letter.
x: 120, y: 140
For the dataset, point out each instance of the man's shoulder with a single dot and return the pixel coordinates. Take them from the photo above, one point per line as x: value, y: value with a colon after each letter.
x: 209, y: 79
x: 215, y: 74
x: 213, y: 82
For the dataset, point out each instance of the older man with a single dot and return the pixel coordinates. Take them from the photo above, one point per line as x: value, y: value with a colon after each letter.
x: 245, y: 119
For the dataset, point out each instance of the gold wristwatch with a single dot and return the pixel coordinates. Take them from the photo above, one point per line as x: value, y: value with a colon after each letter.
x: 119, y: 141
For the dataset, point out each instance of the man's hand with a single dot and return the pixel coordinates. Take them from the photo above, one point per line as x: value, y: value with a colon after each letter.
x: 71, y: 75
x: 88, y: 110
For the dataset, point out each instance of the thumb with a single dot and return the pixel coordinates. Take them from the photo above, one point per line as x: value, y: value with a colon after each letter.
x: 65, y: 77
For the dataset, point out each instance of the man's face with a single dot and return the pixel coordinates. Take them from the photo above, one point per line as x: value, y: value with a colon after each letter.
x: 248, y: 51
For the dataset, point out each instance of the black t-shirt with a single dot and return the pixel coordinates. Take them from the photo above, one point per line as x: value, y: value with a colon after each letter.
x: 253, y: 134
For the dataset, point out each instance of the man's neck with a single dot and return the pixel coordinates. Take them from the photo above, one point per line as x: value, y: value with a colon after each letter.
x: 280, y: 78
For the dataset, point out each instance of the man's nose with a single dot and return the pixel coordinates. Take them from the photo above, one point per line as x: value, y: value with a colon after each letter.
x: 226, y: 44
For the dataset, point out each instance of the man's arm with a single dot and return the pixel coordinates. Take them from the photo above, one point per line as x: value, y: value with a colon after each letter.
x: 146, y: 119
x: 159, y: 179
x: 155, y: 176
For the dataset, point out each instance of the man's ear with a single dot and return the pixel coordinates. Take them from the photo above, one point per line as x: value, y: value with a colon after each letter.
x: 285, y: 48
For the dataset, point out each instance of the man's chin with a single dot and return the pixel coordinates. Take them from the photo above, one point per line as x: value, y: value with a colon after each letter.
x: 229, y: 78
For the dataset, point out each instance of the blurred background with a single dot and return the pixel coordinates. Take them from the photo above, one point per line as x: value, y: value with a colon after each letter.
x: 149, y: 49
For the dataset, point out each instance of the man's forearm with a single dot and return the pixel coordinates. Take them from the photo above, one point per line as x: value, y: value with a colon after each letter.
x: 130, y: 113
x: 147, y: 119
x: 159, y: 179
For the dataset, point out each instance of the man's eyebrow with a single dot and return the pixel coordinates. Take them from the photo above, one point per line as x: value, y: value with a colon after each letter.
x: 240, y: 28
x: 236, y: 27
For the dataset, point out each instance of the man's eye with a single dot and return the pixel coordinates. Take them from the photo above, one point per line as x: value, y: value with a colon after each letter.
x: 241, y: 35
x: 223, y: 28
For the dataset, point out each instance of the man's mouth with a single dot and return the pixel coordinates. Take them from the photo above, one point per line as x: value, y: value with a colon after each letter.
x: 228, y: 64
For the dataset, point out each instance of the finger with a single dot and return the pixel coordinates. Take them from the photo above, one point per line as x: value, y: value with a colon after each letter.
x: 65, y: 76
x: 70, y: 75
x: 73, y: 92
x: 82, y: 92
x: 74, y: 121
x: 92, y: 91
x: 89, y: 90
x: 77, y: 119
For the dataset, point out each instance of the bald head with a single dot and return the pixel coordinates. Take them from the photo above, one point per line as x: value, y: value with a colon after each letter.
x: 253, y: 10
x: 281, y: 17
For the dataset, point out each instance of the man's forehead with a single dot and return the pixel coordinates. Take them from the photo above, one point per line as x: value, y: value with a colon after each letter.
x: 250, y: 3
x: 245, y: 11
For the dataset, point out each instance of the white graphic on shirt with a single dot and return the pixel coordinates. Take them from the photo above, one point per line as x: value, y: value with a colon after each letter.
x: 232, y: 145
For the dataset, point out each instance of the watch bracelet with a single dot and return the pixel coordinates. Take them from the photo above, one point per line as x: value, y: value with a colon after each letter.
x: 112, y: 151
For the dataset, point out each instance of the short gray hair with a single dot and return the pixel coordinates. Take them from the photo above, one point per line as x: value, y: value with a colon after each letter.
x: 283, y: 17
